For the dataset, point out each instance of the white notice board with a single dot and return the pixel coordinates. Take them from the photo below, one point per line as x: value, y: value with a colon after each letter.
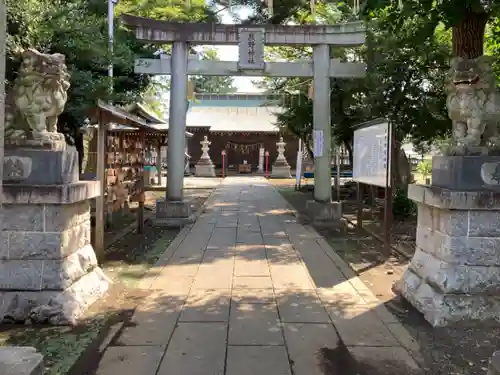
x: 370, y: 157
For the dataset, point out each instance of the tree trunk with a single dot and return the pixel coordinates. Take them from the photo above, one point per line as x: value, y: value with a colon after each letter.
x: 468, y: 35
x: 348, y: 148
x: 401, y: 169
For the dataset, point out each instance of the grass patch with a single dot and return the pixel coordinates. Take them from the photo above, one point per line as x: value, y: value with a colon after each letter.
x: 61, y: 346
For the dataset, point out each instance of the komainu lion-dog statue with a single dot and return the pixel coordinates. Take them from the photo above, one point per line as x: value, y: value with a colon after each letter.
x: 473, y: 105
x: 37, y: 98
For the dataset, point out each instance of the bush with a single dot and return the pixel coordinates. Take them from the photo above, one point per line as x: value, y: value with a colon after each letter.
x: 402, y: 207
x: 425, y: 168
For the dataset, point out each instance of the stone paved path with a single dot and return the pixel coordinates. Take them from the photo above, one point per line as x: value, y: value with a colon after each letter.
x: 247, y: 290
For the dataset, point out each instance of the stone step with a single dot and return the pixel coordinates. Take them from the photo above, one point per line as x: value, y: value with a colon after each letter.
x: 20, y: 360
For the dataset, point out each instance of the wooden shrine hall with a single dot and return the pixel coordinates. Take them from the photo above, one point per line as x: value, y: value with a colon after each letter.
x: 243, y: 125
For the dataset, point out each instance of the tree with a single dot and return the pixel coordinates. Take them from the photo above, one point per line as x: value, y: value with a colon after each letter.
x: 213, y: 84
x: 466, y: 18
x: 78, y: 29
x: 403, y: 84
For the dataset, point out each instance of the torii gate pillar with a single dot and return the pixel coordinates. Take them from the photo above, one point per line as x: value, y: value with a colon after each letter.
x: 322, y: 124
x: 251, y: 41
x: 177, y: 122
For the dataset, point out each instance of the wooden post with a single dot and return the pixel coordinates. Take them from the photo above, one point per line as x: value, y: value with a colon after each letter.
x: 101, y: 177
x: 158, y: 160
x: 359, y: 199
x: 142, y: 197
x: 388, y: 193
x: 108, y: 203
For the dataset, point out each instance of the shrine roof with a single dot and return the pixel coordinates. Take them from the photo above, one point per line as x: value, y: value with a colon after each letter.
x: 234, y: 119
x: 238, y: 112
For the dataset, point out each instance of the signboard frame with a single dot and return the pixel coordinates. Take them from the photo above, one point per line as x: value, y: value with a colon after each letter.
x: 360, y: 182
x: 384, y: 180
x: 251, y: 42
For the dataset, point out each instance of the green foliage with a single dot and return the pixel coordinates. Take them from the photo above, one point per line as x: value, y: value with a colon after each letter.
x: 78, y: 29
x: 406, y: 85
x: 213, y: 84
x: 402, y: 206
x: 425, y: 168
x: 172, y: 10
x: 448, y: 12
x: 403, y: 85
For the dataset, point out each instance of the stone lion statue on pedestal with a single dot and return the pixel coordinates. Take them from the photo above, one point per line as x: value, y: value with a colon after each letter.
x: 37, y: 98
x: 473, y: 104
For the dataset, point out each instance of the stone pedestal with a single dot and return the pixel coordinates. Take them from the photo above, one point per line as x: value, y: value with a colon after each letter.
x: 48, y: 268
x: 466, y: 173
x: 20, y: 360
x: 204, y: 167
x: 324, y: 211
x: 281, y: 168
x: 173, y: 213
x: 454, y: 276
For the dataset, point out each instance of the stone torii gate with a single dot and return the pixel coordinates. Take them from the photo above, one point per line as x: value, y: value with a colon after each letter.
x: 251, y: 40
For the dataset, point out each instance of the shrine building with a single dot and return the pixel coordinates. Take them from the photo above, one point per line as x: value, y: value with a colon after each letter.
x: 241, y: 124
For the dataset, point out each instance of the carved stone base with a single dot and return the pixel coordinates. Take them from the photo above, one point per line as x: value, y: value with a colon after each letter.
x: 204, y: 170
x: 281, y: 171
x: 49, y: 141
x: 454, y: 276
x: 39, y: 166
x: 466, y: 172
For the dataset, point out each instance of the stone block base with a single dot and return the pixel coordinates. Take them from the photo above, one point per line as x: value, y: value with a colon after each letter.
x: 454, y: 275
x: 173, y: 213
x: 48, y: 267
x: 494, y: 366
x: 51, y: 306
x: 281, y: 172
x: 328, y: 212
x: 204, y: 170
x: 20, y: 360
x: 441, y: 309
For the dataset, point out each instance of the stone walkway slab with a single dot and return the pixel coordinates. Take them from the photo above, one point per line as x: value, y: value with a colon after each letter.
x: 254, y: 360
x: 305, y: 343
x: 248, y: 290
x: 196, y: 349
x: 254, y: 324
x: 131, y: 360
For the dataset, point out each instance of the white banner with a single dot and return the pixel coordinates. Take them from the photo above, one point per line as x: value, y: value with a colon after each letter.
x: 318, y: 143
x: 298, y: 166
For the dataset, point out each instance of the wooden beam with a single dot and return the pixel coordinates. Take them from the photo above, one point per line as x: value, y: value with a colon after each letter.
x: 338, y: 69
